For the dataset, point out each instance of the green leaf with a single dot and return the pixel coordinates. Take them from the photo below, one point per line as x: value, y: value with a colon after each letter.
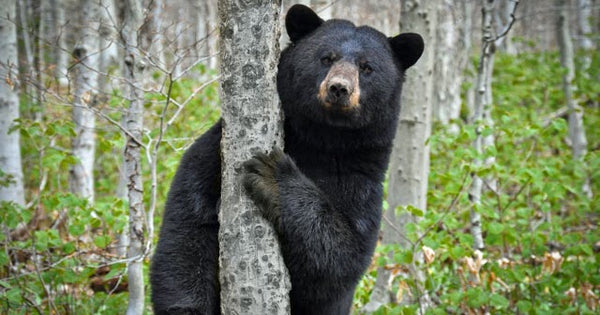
x: 14, y: 296
x: 457, y: 252
x: 69, y: 276
x: 69, y: 248
x: 41, y: 240
x: 495, y: 228
x: 95, y: 222
x: 476, y: 297
x: 404, y: 257
x: 414, y: 210
x: 524, y: 306
x: 3, y: 259
x: 76, y: 229
x: 114, y: 271
x: 498, y: 301
x: 102, y: 241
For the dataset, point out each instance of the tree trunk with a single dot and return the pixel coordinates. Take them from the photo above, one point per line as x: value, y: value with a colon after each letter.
x: 381, y: 15
x: 323, y: 7
x: 467, y: 46
x: 107, y: 47
x: 153, y: 31
x: 58, y: 55
x: 81, y: 174
x: 211, y: 9
x: 10, y: 148
x: 502, y: 18
x: 134, y: 66
x: 26, y: 61
x: 35, y: 23
x: 584, y: 12
x: 202, y: 28
x: 409, y: 162
x: 481, y: 116
x: 577, y: 135
x: 448, y: 66
x: 252, y: 273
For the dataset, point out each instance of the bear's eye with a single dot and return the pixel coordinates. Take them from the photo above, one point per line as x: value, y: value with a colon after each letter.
x: 328, y: 60
x: 365, y: 67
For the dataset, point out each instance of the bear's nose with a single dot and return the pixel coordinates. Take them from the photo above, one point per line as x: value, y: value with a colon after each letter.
x: 339, y: 90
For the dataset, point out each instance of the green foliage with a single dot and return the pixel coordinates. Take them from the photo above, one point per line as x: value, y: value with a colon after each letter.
x: 540, y: 229
x: 61, y: 253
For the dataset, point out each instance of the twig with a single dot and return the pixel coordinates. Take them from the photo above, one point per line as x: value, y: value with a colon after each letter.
x: 395, y: 228
x: 445, y: 213
x: 153, y: 166
x: 41, y: 279
x: 180, y: 106
x: 118, y: 125
x: 510, y: 23
x: 517, y: 194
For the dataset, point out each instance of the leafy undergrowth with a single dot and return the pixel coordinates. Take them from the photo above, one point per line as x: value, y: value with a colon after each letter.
x: 67, y: 260
x: 542, y: 253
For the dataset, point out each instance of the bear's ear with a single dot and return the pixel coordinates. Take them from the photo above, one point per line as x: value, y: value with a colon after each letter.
x: 300, y: 21
x: 407, y: 48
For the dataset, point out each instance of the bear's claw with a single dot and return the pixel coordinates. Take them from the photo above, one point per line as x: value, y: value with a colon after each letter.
x: 260, y: 182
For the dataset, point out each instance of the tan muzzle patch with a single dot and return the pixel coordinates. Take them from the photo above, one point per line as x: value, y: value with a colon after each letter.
x: 341, y: 88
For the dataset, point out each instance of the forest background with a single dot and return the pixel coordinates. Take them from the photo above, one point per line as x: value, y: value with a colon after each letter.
x: 499, y: 208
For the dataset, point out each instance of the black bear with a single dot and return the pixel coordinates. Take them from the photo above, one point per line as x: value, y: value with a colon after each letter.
x: 339, y: 86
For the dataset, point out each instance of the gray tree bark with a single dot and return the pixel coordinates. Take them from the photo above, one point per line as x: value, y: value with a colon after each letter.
x: 81, y: 174
x: 482, y: 112
x: 27, y: 63
x: 481, y: 115
x: 211, y: 9
x: 409, y: 162
x: 10, y: 148
x: 203, y: 28
x: 323, y: 7
x: 108, y: 42
x: 252, y: 273
x: 381, y: 15
x: 52, y: 36
x: 467, y: 45
x: 449, y: 65
x: 577, y: 135
x: 584, y: 13
x: 134, y: 66
x: 59, y: 54
x: 502, y: 16
x: 152, y: 31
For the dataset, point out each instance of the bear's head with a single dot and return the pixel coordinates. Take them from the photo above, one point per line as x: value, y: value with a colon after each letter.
x: 335, y: 73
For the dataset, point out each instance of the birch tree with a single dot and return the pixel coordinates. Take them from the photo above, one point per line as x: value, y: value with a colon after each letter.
x: 482, y: 113
x: 577, y: 137
x: 51, y: 32
x: 11, y: 173
x: 133, y: 68
x: 81, y: 174
x: 108, y: 53
x: 449, y: 65
x: 584, y: 13
x: 252, y: 122
x: 409, y: 162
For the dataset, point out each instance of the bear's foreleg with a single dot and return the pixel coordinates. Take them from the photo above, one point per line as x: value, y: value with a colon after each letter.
x: 318, y: 240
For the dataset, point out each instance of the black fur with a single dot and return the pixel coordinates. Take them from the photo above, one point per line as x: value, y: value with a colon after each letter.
x: 323, y: 194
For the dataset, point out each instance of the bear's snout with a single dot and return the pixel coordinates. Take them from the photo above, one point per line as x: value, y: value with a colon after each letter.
x: 340, y: 88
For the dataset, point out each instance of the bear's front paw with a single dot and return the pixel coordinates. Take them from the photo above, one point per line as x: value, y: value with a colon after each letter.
x: 260, y: 182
